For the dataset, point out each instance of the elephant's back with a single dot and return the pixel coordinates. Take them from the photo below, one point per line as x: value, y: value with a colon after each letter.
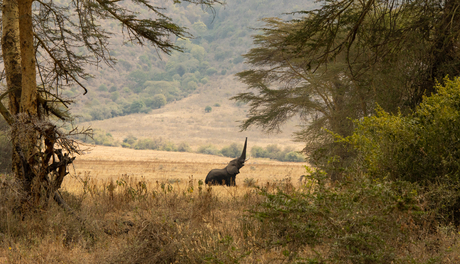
x: 215, y: 175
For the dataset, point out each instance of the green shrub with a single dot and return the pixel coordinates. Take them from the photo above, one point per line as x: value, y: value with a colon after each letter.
x: 211, y: 71
x: 208, y: 149
x: 207, y: 109
x: 147, y: 143
x: 232, y: 151
x: 102, y: 88
x: 130, y: 140
x: 294, y: 157
x: 421, y: 147
x: 158, y: 101
x: 114, y: 96
x: 258, y: 152
x: 358, y: 221
x: 99, y: 137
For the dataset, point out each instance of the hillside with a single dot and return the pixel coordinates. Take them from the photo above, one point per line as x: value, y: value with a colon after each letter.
x: 147, y: 94
x: 187, y: 121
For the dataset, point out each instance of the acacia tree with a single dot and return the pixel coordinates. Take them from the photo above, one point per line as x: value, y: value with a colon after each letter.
x: 338, y: 61
x: 39, y: 41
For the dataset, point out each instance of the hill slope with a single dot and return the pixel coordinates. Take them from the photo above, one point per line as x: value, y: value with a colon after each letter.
x: 150, y: 95
x: 187, y: 121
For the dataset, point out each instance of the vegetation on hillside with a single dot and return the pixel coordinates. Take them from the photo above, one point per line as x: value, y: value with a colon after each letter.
x: 142, y: 76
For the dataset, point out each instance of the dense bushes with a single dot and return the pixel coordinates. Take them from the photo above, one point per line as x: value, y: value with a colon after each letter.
x: 421, y: 147
x: 356, y: 221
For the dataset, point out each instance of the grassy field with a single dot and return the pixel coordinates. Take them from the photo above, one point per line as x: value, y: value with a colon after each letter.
x: 112, y: 162
x: 123, y: 195
x: 141, y: 206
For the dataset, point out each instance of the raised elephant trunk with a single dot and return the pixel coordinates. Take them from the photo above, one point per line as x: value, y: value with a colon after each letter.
x: 243, y: 154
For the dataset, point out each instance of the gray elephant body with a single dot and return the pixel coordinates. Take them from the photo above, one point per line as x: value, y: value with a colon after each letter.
x: 227, y: 175
x: 220, y: 177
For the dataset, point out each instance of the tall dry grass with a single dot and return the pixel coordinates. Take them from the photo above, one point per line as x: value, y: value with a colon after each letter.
x: 132, y: 220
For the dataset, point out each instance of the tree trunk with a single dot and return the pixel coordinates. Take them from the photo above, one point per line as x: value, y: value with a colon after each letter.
x: 29, y: 84
x: 19, y: 58
x: 12, y: 61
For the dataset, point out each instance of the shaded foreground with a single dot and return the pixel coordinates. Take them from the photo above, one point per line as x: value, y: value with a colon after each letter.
x: 132, y: 220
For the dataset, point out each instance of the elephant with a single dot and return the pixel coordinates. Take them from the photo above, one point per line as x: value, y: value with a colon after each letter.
x: 228, y: 174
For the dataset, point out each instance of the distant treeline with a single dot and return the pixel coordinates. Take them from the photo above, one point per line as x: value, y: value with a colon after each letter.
x: 234, y: 150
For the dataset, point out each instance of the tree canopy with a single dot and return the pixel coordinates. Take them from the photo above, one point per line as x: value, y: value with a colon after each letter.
x: 338, y: 61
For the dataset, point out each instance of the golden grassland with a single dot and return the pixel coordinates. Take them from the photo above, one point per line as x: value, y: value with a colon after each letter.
x: 123, y: 195
x: 112, y: 162
x: 142, y: 206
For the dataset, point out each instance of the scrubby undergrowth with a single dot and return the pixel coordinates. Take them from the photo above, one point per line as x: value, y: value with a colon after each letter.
x: 134, y: 221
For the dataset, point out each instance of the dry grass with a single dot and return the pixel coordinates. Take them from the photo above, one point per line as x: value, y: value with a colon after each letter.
x: 146, y: 207
x: 111, y: 162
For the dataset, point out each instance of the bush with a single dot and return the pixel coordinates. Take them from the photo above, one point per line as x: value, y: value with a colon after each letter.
x: 258, y: 152
x: 207, y: 109
x: 359, y: 221
x: 158, y: 101
x: 211, y: 71
x: 129, y: 141
x: 422, y: 147
x: 184, y: 147
x: 208, y: 149
x: 102, y: 88
x: 294, y: 157
x: 99, y: 137
x: 232, y: 151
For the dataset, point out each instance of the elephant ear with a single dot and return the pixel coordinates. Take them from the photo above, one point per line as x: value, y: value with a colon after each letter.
x: 232, y: 167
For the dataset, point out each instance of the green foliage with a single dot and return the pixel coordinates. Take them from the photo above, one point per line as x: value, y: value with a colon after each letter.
x: 208, y: 149
x: 158, y: 101
x: 102, y: 88
x: 421, y: 147
x: 99, y: 137
x: 207, y: 109
x: 134, y: 107
x: 258, y: 152
x: 232, y: 151
x: 114, y: 96
x: 129, y: 141
x: 211, y: 71
x: 137, y: 69
x: 358, y: 221
x: 294, y: 157
x: 155, y: 144
x: 275, y: 152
